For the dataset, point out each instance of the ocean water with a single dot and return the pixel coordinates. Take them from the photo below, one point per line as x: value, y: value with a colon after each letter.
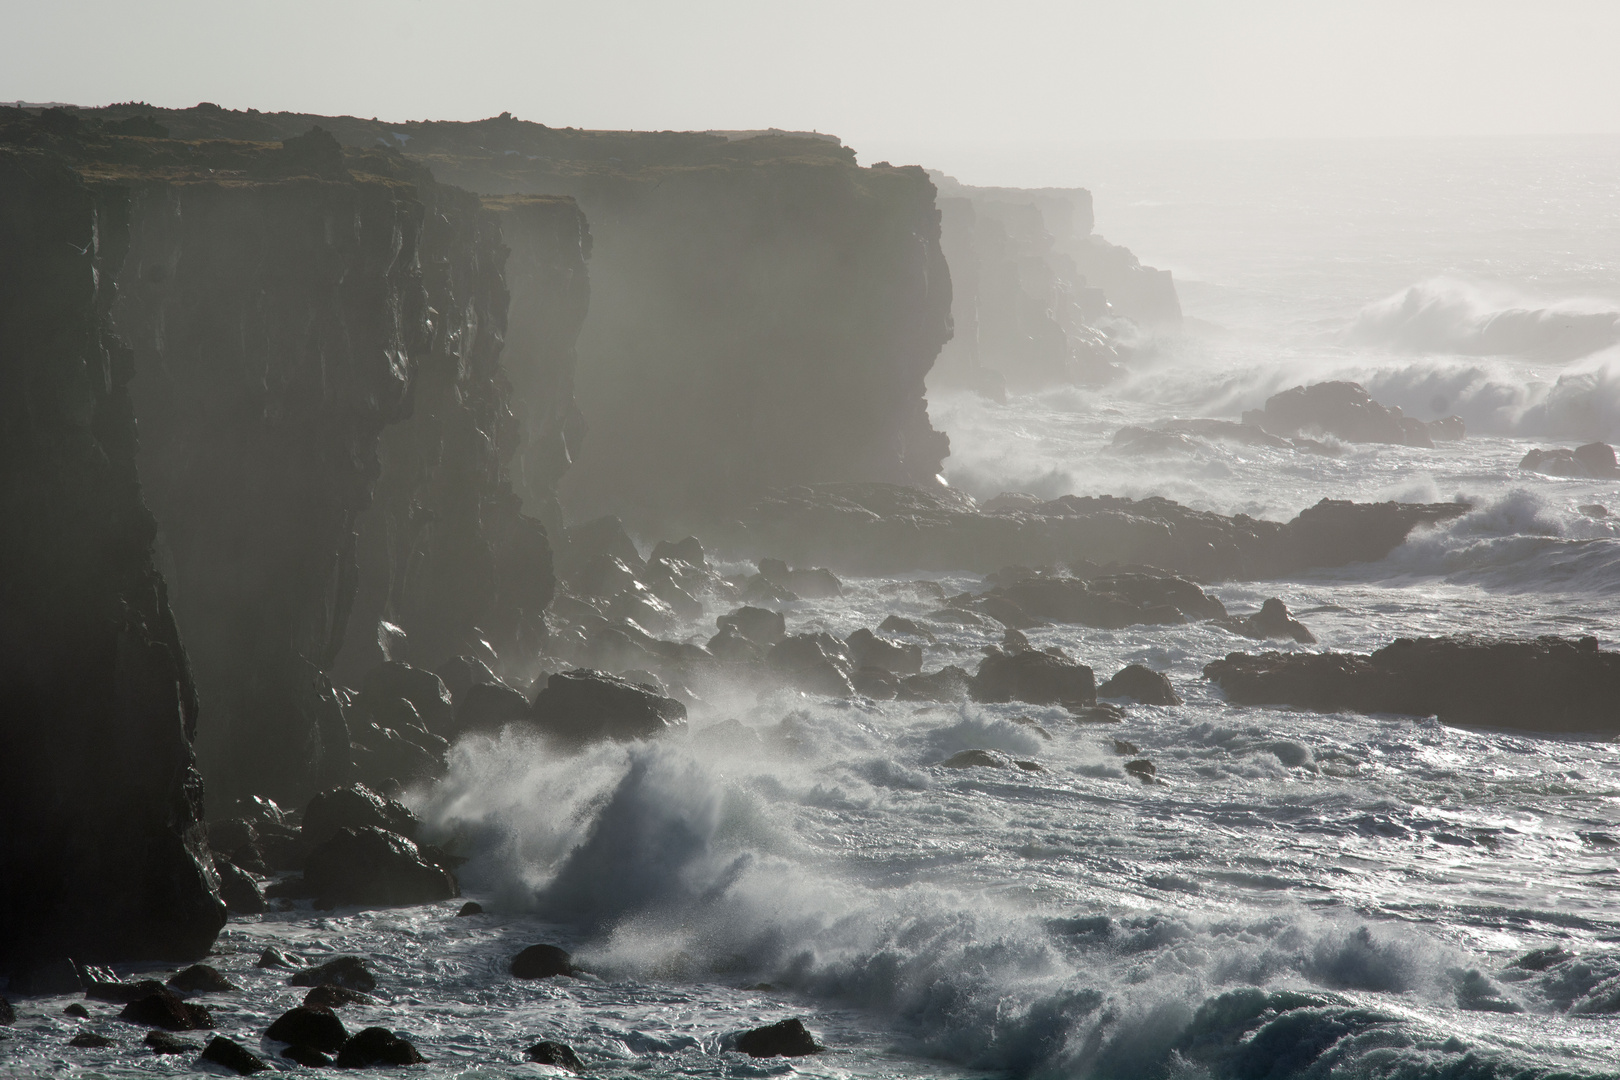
x: 1296, y: 895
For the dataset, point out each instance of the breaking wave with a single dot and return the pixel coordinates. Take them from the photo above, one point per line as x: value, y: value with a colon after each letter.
x: 1443, y: 315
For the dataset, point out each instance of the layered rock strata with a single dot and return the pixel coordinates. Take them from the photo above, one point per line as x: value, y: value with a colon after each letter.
x: 102, y: 854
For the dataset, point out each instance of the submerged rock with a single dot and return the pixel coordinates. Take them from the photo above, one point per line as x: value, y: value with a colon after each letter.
x: 1035, y: 677
x: 315, y: 1026
x: 377, y: 1046
x: 90, y: 1040
x: 586, y: 706
x: 471, y: 907
x: 162, y: 1042
x: 201, y: 979
x: 788, y: 1038
x: 349, y: 972
x: 1546, y: 684
x: 1140, y: 684
x: 374, y: 867
x: 233, y: 1056
x: 557, y: 1054
x: 542, y: 962
x: 335, y: 997
x: 166, y: 1010
x: 75, y: 1010
x: 1111, y: 601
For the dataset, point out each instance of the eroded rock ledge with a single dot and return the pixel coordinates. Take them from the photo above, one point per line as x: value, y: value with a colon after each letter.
x: 1549, y: 684
x: 886, y: 529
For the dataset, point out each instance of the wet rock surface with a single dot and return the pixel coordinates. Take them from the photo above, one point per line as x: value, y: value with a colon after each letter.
x: 1273, y: 620
x: 348, y: 972
x: 1544, y: 684
x: 374, y: 867
x: 557, y: 1054
x: 165, y: 1009
x: 788, y: 1038
x: 542, y: 962
x: 584, y: 706
x: 377, y: 1046
x: 1035, y: 677
x: 1140, y: 684
x: 1594, y: 460
x: 232, y: 1055
x: 315, y: 1026
x: 1347, y: 411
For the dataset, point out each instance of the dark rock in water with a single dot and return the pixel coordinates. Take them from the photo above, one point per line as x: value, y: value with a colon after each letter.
x: 122, y: 992
x: 688, y: 550
x: 307, y: 1056
x: 899, y: 624
x: 1548, y: 684
x: 877, y: 683
x: 858, y: 528
x: 1109, y: 602
x: 1147, y: 442
x: 1342, y: 409
x: 557, y: 1054
x: 233, y: 1056
x: 1542, y: 959
x: 949, y: 683
x: 374, y: 867
x: 1271, y: 621
x: 377, y: 1046
x: 309, y: 1025
x: 1104, y: 712
x: 335, y: 997
x: 8, y: 1014
x: 759, y: 625
x: 586, y: 706
x: 977, y: 759
x: 1141, y: 768
x: 490, y: 707
x: 238, y: 889
x: 1141, y: 684
x: 731, y: 644
x: 815, y: 584
x: 1126, y: 748
x: 162, y: 1042
x: 760, y: 589
x: 542, y: 962
x: 349, y: 972
x: 1035, y: 677
x: 201, y: 979
x: 74, y: 1010
x: 90, y: 1040
x: 471, y: 907
x: 1594, y: 510
x: 789, y: 1038
x: 166, y: 1010
x: 426, y: 692
x: 273, y: 957
x: 48, y: 977
x: 1595, y: 460
x: 354, y: 807
x: 1448, y: 429
x: 102, y: 853
x: 814, y: 663
x: 866, y: 649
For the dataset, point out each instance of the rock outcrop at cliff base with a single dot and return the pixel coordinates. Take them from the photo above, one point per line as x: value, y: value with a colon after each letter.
x: 1547, y: 684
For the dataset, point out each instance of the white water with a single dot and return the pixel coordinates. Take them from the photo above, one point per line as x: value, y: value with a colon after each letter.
x: 1071, y: 922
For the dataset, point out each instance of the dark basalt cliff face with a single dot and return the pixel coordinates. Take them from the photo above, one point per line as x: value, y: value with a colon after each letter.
x: 327, y: 436
x: 764, y: 311
x: 102, y: 851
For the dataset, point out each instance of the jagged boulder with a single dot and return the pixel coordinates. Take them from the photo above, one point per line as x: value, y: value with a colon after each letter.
x: 488, y: 707
x: 585, y: 706
x: 1140, y: 684
x: 787, y: 1038
x: 1038, y: 678
x: 1592, y: 460
x: 867, y: 650
x: 556, y: 1054
x: 809, y: 584
x: 1273, y: 620
x: 1547, y: 684
x: 426, y: 692
x: 310, y: 1025
x: 372, y: 866
x: 949, y: 683
x: 759, y: 625
x: 815, y: 663
x: 1341, y: 409
x: 354, y: 807
x: 349, y: 972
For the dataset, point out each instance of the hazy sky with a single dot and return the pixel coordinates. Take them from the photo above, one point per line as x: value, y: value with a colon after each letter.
x: 955, y: 84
